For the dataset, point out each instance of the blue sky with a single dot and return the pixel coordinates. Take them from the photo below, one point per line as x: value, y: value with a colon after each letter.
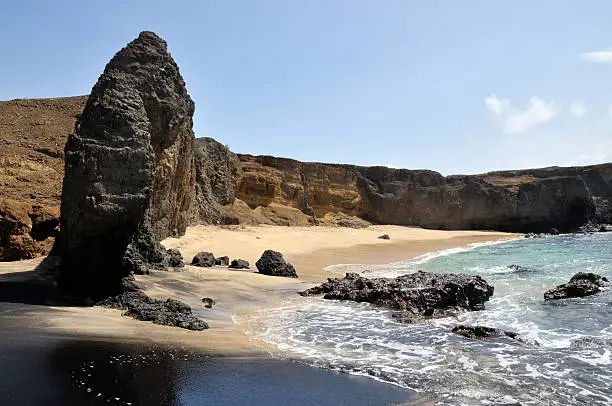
x: 453, y: 86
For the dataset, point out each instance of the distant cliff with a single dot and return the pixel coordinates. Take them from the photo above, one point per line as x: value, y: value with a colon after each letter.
x: 522, y: 201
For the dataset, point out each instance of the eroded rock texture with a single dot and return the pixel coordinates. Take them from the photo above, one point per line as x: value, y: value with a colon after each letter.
x: 128, y: 178
x: 26, y: 231
x: 417, y: 295
x: 580, y: 285
x: 272, y: 263
x: 216, y: 169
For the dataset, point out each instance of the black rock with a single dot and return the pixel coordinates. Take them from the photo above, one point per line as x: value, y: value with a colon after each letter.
x: 521, y: 269
x: 417, y: 295
x: 175, y: 259
x: 208, y: 302
x: 239, y: 264
x: 588, y: 228
x: 204, y: 259
x: 272, y: 263
x: 169, y: 313
x: 481, y: 332
x: 128, y: 175
x: 384, y: 237
x: 554, y: 231
x: 580, y: 285
x: 222, y: 261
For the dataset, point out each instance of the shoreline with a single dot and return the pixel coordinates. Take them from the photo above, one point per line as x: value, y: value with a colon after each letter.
x: 237, y: 293
x: 240, y: 360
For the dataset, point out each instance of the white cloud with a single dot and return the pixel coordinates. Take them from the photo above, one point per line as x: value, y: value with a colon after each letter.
x: 519, y: 121
x: 578, y: 109
x: 603, y: 56
x: 497, y: 105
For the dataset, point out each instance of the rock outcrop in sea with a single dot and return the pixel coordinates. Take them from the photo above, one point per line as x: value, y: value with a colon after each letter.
x: 483, y: 332
x: 417, y: 295
x: 128, y: 179
x: 580, y: 285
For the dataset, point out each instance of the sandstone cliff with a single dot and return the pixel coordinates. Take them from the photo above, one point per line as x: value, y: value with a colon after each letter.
x: 128, y: 177
x: 530, y: 200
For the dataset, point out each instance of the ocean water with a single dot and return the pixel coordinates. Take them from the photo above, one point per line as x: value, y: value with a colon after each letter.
x: 572, y: 365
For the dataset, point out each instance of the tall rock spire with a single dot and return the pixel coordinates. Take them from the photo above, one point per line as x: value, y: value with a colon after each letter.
x: 129, y: 174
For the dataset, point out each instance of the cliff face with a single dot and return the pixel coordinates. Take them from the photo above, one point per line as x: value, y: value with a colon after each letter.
x: 128, y: 177
x: 522, y: 201
x: 313, y: 188
x: 216, y: 169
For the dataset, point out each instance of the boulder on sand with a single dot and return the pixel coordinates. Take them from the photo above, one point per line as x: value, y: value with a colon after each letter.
x: 222, y: 261
x: 204, y: 259
x: 239, y: 264
x: 272, y: 263
x: 175, y: 259
x: 168, y: 313
x: 580, y: 285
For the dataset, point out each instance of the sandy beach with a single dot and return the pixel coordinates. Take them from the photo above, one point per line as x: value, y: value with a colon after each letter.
x: 237, y: 293
x: 62, y: 338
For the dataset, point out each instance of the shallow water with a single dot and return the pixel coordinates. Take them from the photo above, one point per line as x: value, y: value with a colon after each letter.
x: 572, y: 365
x: 43, y: 370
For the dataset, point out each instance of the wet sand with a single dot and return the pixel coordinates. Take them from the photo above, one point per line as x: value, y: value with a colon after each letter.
x: 237, y: 293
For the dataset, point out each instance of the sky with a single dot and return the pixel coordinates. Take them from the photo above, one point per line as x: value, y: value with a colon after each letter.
x: 458, y: 87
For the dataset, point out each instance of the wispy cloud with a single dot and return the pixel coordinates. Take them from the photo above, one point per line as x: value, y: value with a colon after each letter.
x: 603, y: 56
x: 577, y: 109
x: 516, y: 121
x: 497, y: 105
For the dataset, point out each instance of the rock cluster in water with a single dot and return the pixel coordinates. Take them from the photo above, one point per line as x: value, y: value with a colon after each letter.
x: 421, y: 294
x: 580, y: 285
x: 128, y: 176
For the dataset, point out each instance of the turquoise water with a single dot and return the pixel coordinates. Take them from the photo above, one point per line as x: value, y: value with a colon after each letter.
x: 572, y: 365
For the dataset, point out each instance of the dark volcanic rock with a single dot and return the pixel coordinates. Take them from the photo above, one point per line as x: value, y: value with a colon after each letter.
x: 222, y: 261
x: 169, y: 313
x: 175, y: 259
x: 521, y: 269
x: 205, y: 259
x: 384, y: 237
x: 239, y: 264
x: 580, y: 285
x: 418, y: 294
x: 208, y: 302
x: 272, y: 263
x: 481, y: 332
x: 128, y: 178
